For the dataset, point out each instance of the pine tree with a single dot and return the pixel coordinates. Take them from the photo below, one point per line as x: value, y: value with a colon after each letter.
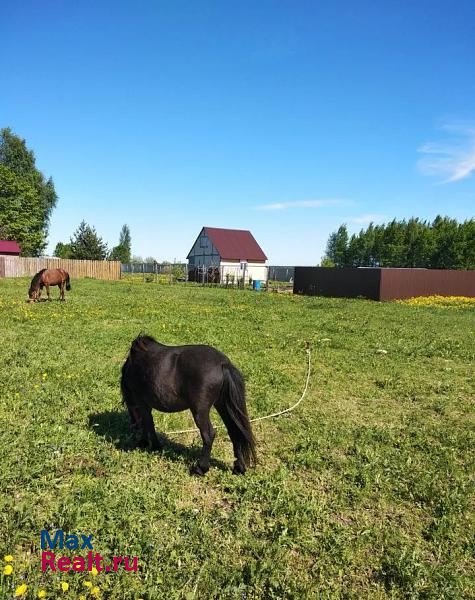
x: 123, y: 250
x: 86, y: 244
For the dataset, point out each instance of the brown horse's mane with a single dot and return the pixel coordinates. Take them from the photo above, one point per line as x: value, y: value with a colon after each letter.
x: 35, y: 282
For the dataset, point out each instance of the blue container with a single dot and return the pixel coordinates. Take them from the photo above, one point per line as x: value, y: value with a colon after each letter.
x: 256, y: 285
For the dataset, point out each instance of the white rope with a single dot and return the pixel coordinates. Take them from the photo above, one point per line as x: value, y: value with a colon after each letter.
x: 277, y: 414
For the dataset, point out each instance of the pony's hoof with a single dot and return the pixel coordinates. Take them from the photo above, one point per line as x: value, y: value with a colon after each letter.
x: 197, y: 470
x: 238, y: 470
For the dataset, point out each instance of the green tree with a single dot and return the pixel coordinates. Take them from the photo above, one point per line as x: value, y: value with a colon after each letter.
x: 20, y: 212
x: 392, y: 244
x: 341, y: 246
x: 337, y: 247
x: 62, y: 250
x: 367, y: 247
x: 330, y: 251
x: 419, y: 243
x: 355, y: 251
x: 467, y: 236
x: 86, y: 244
x: 123, y: 250
x: 28, y: 226
x: 448, y: 251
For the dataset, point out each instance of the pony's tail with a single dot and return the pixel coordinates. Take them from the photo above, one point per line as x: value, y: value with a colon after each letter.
x: 233, y: 402
x: 68, y: 283
x: 127, y: 398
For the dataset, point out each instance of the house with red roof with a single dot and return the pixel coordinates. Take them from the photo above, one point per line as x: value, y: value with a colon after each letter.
x: 9, y: 248
x: 228, y: 254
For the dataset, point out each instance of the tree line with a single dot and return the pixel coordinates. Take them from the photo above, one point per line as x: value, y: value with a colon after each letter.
x: 443, y: 244
x: 86, y: 244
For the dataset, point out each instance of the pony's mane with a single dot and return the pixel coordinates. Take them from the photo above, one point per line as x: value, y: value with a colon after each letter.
x: 36, y: 279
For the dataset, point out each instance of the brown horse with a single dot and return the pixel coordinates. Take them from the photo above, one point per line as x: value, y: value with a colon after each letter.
x: 45, y: 278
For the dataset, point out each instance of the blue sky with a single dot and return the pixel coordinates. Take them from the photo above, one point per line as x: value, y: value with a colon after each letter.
x: 285, y: 117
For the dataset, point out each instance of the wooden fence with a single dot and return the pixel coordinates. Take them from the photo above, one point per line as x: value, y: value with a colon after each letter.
x: 16, y: 266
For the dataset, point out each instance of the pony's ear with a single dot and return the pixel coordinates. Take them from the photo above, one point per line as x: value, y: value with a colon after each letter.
x: 141, y: 344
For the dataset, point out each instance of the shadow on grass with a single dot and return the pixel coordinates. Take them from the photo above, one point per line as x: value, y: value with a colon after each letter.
x: 115, y: 427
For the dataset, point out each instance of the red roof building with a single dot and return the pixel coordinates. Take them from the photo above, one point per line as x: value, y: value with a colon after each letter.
x: 9, y: 248
x: 229, y: 251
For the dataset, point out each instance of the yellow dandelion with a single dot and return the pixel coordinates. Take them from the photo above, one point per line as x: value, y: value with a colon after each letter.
x: 94, y: 571
x: 21, y: 590
x: 8, y: 558
x: 8, y: 570
x: 45, y: 375
x: 64, y: 586
x: 41, y: 594
x: 88, y: 584
x: 95, y: 591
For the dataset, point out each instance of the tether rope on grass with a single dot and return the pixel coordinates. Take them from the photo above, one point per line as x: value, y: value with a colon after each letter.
x: 271, y: 416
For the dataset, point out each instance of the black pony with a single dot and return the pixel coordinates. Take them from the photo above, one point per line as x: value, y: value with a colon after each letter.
x: 176, y: 378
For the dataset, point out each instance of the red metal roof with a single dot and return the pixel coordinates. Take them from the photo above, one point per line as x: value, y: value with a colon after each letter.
x: 9, y: 247
x: 235, y: 244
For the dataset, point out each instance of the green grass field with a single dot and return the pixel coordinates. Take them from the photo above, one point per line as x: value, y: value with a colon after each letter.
x: 365, y: 491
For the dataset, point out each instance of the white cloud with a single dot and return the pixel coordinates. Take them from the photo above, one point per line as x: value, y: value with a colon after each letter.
x: 367, y: 218
x: 302, y: 204
x: 453, y: 159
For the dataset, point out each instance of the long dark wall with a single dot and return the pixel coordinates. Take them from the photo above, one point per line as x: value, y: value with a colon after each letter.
x: 339, y: 283
x: 382, y: 284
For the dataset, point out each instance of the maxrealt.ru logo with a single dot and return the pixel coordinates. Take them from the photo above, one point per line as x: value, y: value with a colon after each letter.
x: 90, y: 562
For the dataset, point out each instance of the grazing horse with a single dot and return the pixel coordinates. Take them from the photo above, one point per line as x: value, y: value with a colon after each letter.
x: 45, y: 278
x: 176, y: 378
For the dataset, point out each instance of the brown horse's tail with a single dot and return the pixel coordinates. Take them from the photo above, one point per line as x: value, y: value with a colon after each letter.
x: 233, y: 401
x: 68, y: 283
